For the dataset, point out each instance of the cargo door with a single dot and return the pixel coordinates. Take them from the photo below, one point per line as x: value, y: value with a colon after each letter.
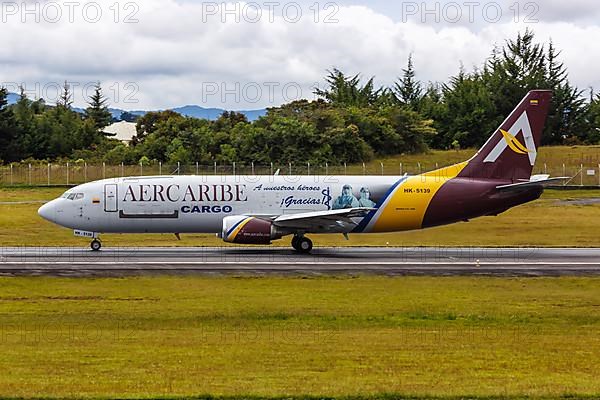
x: 110, y: 198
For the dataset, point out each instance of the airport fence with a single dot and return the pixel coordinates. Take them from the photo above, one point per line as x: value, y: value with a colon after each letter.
x: 69, y: 174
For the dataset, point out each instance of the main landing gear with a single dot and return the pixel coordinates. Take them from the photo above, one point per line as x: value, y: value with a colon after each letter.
x: 96, y: 245
x: 302, y: 244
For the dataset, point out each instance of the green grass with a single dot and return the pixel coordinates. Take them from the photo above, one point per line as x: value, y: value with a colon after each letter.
x: 552, y: 156
x: 384, y: 396
x: 280, y: 336
x: 546, y: 222
x: 550, y: 159
x: 554, y: 160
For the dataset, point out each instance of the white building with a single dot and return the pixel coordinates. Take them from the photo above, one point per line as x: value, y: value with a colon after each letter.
x: 124, y: 131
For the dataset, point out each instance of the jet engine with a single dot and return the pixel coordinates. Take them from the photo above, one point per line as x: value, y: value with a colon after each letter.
x: 242, y: 229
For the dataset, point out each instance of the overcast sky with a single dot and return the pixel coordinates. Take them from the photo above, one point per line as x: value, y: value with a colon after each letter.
x: 168, y: 53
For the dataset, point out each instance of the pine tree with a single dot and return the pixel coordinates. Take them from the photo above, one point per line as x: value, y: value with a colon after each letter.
x: 66, y: 98
x: 467, y: 118
x: 510, y: 72
x: 25, y: 121
x: 8, y: 130
x: 566, y: 118
x: 591, y: 133
x: 523, y: 65
x: 346, y: 91
x: 97, y: 111
x: 408, y: 90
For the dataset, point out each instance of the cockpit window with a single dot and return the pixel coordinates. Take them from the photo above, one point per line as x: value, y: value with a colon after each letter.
x: 73, y: 196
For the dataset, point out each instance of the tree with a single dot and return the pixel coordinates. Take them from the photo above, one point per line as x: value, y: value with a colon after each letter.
x: 121, y: 153
x: 97, y: 112
x: 66, y: 98
x: 346, y: 91
x: 290, y: 140
x: 63, y: 127
x: 128, y: 117
x: 510, y: 72
x: 408, y: 90
x: 591, y: 135
x: 348, y: 146
x: 28, y: 138
x: 228, y: 120
x: 178, y: 153
x: 473, y: 104
x: 8, y: 131
x: 376, y: 130
x: 151, y: 122
x: 566, y: 118
x: 433, y: 107
x: 413, y: 129
x: 87, y: 134
x: 469, y: 114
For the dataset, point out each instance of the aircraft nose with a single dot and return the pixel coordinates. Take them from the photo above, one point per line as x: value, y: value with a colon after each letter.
x: 48, y: 211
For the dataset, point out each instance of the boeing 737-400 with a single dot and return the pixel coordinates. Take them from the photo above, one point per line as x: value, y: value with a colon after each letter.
x: 260, y: 209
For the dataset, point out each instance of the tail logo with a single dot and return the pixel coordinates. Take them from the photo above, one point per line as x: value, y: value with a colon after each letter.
x: 509, y: 140
x: 514, y: 143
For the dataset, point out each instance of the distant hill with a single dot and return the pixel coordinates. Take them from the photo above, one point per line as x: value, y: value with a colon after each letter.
x: 214, y: 113
x: 193, y: 111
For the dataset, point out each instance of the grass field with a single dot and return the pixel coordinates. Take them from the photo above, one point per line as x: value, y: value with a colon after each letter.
x: 279, y: 336
x: 361, y: 337
x: 546, y: 222
x: 552, y: 156
x: 555, y: 160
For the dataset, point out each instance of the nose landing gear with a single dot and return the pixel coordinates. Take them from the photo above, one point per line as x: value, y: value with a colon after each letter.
x: 96, y: 245
x: 302, y: 244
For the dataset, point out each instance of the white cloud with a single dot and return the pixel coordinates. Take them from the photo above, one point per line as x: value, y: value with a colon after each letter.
x: 178, y: 55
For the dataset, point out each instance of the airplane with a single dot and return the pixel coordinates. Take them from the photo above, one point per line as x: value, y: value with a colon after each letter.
x: 256, y: 210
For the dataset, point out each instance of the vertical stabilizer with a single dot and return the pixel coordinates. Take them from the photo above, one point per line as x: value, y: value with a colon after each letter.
x: 511, y: 152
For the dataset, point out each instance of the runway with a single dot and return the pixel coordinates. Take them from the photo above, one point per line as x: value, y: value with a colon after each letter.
x: 81, y: 262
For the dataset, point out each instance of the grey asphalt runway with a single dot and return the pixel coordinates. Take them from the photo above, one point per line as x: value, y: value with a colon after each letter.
x: 281, y: 261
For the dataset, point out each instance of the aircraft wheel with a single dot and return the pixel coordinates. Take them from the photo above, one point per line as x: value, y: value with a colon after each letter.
x: 304, y: 245
x: 96, y: 245
x: 295, y: 240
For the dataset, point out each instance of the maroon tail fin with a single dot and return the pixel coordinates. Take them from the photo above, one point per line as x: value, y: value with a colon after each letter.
x: 510, y: 153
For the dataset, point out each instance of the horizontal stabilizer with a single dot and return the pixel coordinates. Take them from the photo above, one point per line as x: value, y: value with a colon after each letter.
x: 535, y: 181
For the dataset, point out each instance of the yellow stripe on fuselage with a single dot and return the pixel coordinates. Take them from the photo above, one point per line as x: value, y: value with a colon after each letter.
x: 408, y: 204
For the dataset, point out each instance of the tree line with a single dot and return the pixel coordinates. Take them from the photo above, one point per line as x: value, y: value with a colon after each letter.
x: 351, y: 121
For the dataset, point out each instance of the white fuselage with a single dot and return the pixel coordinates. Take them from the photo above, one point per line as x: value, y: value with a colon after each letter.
x: 198, y: 204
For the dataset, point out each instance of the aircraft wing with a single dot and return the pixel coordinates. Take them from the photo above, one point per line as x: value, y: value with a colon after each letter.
x: 322, y: 221
x: 537, y: 180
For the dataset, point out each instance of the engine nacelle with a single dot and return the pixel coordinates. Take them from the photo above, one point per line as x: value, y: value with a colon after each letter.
x: 242, y: 229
